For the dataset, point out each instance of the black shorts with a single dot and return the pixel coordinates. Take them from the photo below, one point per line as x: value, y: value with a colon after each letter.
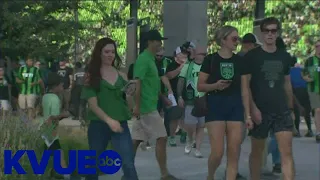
x: 54, y: 146
x: 274, y: 122
x: 225, y: 108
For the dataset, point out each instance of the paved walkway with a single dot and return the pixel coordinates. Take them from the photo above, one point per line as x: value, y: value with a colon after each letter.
x: 306, y: 154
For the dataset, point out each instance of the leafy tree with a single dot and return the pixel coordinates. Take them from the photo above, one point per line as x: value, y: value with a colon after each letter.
x: 301, y: 24
x: 55, y: 29
x: 235, y: 13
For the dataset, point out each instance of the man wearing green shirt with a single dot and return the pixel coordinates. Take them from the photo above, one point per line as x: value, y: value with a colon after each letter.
x: 28, y: 78
x: 312, y: 72
x: 149, y: 123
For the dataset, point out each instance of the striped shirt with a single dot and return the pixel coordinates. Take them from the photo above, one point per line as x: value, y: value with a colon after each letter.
x: 29, y: 75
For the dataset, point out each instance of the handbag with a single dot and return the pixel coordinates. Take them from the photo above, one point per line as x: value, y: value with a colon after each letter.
x: 200, y: 108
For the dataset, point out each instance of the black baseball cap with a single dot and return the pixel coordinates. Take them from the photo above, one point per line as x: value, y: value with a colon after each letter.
x: 179, y: 50
x: 250, y: 38
x: 189, y: 44
x: 154, y: 35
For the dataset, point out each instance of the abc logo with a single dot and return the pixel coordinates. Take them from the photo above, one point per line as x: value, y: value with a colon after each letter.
x: 110, y: 162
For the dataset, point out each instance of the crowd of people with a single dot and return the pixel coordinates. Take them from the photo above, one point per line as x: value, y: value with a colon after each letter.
x: 24, y: 84
x: 261, y: 89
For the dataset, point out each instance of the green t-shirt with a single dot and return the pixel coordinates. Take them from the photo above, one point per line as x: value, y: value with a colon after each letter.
x: 28, y: 75
x: 146, y: 70
x: 110, y: 99
x: 190, y: 72
x: 51, y: 107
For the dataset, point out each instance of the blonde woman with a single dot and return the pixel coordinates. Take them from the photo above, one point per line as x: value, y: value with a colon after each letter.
x: 219, y: 77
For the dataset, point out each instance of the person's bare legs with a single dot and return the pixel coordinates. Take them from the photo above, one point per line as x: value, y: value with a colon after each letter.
x: 30, y: 113
x: 136, y: 144
x: 216, y: 132
x: 173, y: 127
x: 284, y: 139
x: 161, y: 155
x: 234, y: 140
x: 199, y: 137
x: 255, y: 158
x: 191, y: 130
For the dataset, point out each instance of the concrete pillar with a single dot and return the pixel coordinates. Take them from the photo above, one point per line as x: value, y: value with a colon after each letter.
x: 259, y: 16
x: 131, y: 51
x: 184, y: 21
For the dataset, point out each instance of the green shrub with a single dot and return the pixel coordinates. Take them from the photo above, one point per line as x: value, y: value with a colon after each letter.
x: 17, y: 135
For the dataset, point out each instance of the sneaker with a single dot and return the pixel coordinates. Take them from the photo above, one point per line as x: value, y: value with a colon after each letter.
x: 183, y: 137
x: 188, y: 148
x: 169, y: 177
x: 276, y: 169
x: 197, y: 154
x: 172, y: 141
x: 145, y: 146
x: 194, y: 144
x: 240, y: 177
x: 178, y: 132
x: 297, y: 134
x: 309, y: 134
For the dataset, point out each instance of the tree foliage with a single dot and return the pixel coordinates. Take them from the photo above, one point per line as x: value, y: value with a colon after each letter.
x: 61, y: 29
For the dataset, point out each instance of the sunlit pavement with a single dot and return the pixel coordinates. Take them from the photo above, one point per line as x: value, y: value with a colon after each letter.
x: 306, y: 154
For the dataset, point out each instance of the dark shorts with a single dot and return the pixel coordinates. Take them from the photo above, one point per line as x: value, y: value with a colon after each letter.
x: 225, y: 108
x: 274, y: 122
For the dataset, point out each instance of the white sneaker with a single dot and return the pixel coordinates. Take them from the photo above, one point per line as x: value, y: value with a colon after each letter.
x: 197, y: 154
x: 143, y: 146
x: 188, y: 148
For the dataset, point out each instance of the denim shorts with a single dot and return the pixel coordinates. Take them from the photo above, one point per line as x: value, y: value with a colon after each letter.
x: 225, y: 108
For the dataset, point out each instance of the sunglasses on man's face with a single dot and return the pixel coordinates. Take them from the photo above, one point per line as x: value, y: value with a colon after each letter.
x: 267, y: 31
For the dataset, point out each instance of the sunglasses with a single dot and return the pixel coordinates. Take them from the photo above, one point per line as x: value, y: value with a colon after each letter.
x: 267, y: 31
